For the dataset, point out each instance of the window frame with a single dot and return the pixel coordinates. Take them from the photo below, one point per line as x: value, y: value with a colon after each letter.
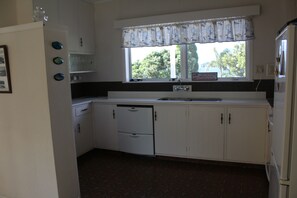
x: 248, y: 78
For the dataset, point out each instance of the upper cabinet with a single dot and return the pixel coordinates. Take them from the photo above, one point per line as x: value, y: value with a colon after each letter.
x: 86, y: 25
x: 78, y: 16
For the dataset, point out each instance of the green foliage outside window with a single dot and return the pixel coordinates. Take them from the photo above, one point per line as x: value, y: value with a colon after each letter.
x: 156, y: 65
x: 230, y: 63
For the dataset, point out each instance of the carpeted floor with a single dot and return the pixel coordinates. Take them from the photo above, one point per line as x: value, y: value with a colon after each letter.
x: 115, y: 174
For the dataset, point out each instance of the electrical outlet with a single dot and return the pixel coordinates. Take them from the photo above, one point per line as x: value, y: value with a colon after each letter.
x: 269, y: 70
x: 260, y: 69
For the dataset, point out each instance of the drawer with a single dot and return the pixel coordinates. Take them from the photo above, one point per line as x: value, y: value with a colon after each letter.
x: 136, y: 143
x: 135, y: 119
x: 82, y: 109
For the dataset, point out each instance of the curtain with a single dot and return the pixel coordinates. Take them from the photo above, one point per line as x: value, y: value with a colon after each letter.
x: 207, y: 31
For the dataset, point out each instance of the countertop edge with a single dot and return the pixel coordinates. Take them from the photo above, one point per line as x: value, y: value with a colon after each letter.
x: 131, y: 101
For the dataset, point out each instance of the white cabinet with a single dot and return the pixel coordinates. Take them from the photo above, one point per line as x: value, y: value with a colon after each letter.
x: 78, y: 16
x: 206, y: 132
x: 170, y: 130
x: 212, y: 132
x: 246, y: 134
x: 68, y: 16
x: 82, y: 124
x: 105, y: 126
x: 86, y: 25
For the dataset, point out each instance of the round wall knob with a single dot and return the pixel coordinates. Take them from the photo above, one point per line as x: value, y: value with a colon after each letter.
x: 58, y: 60
x: 57, y: 45
x: 59, y: 76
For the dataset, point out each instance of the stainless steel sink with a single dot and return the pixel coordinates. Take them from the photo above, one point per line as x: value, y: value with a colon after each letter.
x: 190, y: 99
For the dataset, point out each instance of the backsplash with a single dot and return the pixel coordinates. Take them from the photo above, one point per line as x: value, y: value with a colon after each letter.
x: 81, y: 62
x: 101, y: 88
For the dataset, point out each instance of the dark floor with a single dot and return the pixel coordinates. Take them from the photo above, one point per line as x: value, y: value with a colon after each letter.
x: 114, y: 174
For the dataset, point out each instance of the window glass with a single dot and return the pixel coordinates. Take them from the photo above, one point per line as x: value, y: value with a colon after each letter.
x: 155, y: 62
x: 228, y: 59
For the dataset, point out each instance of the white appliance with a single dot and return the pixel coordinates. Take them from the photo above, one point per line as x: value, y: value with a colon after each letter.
x: 283, y: 170
x: 135, y: 129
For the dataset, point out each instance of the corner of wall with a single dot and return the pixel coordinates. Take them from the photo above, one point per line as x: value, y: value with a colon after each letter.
x: 24, y: 11
x: 8, y: 13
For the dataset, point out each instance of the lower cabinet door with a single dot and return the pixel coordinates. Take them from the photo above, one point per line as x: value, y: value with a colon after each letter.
x: 136, y: 143
x: 105, y: 126
x: 170, y: 130
x: 84, y: 134
x: 246, y: 134
x: 206, y: 132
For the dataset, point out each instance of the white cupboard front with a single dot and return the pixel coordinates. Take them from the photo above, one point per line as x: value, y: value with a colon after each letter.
x: 212, y: 132
x: 78, y: 16
x: 246, y: 134
x: 82, y: 124
x: 86, y: 26
x: 206, y: 132
x: 105, y: 126
x: 170, y: 130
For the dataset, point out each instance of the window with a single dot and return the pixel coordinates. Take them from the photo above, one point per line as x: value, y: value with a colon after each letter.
x: 230, y: 60
x: 167, y: 47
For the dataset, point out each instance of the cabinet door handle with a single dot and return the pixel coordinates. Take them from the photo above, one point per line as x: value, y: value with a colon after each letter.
x: 81, y: 41
x: 155, y: 115
x: 83, y: 110
x: 229, y: 118
x: 113, y: 114
x: 78, y: 128
x: 222, y: 118
x: 133, y: 135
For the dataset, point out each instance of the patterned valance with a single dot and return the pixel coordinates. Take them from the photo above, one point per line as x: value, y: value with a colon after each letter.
x: 206, y: 31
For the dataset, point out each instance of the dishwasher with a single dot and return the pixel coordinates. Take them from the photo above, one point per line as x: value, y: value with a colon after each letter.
x: 135, y: 129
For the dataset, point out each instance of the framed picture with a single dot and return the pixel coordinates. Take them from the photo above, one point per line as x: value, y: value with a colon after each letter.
x: 5, y: 83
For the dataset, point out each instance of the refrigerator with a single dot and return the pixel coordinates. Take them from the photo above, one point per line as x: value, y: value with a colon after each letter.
x: 283, y: 164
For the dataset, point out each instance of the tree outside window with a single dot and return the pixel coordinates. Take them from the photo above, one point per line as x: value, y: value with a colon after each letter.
x: 228, y: 59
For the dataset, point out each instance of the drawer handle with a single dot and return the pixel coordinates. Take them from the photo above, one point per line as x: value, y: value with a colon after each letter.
x: 134, y: 136
x: 132, y: 110
x: 83, y: 110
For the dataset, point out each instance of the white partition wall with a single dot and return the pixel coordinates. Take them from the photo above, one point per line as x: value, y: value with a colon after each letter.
x: 37, y: 153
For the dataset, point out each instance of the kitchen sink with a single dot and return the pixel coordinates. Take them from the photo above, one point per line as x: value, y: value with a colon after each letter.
x: 190, y: 99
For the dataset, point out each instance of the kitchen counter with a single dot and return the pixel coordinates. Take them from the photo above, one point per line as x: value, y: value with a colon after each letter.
x: 151, y: 98
x: 145, y: 101
x: 79, y: 101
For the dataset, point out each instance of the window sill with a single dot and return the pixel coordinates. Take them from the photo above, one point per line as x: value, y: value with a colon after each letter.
x: 188, y: 81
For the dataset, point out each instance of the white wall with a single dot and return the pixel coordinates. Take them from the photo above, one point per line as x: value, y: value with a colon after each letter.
x: 37, y: 151
x: 27, y: 166
x: 8, y: 13
x: 109, y: 55
x: 14, y: 12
